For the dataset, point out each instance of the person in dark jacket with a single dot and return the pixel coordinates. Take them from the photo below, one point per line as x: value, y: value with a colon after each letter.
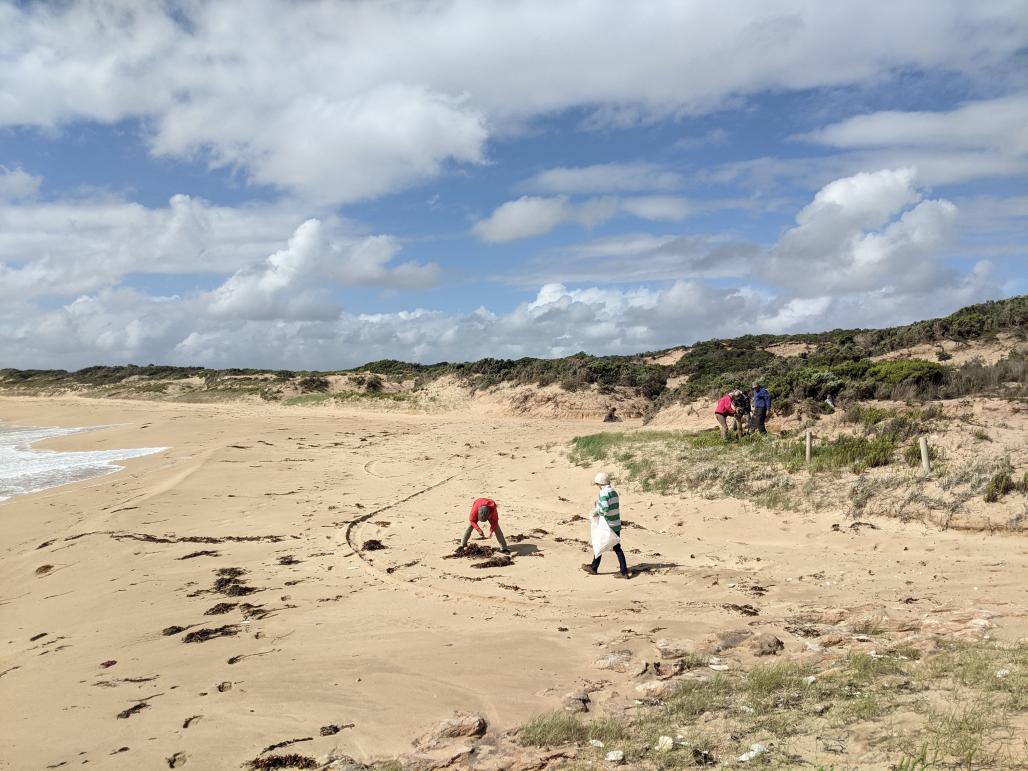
x: 761, y: 406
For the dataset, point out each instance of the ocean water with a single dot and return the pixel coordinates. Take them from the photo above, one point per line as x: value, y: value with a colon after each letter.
x: 24, y: 470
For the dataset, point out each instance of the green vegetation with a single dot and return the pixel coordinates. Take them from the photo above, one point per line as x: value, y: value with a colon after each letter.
x: 1002, y: 482
x: 959, y: 704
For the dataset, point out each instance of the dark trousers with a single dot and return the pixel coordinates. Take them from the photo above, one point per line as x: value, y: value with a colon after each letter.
x: 759, y: 416
x: 621, y: 560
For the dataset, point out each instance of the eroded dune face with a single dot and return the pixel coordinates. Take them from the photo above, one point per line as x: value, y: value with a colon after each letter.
x: 281, y: 578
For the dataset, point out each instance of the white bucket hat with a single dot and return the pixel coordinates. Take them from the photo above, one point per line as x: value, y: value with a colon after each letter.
x: 602, y: 478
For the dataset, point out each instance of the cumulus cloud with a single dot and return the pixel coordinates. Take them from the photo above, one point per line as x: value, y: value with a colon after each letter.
x: 337, y: 102
x: 291, y: 283
x: 865, y: 232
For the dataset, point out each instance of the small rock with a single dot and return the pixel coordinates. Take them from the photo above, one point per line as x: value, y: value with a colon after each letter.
x: 727, y: 640
x: 756, y: 750
x: 821, y: 708
x: 654, y: 689
x: 810, y: 679
x: 670, y: 650
x: 616, y: 756
x: 746, y: 708
x: 766, y: 644
x: 665, y: 744
x: 596, y: 743
x: 1001, y: 673
x: 459, y: 725
x: 616, y: 661
x: 639, y: 668
x: 576, y: 702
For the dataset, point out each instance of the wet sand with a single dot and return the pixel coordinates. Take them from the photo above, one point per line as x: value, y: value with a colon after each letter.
x: 215, y: 599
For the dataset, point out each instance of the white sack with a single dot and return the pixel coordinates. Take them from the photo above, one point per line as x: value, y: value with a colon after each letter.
x: 604, y: 539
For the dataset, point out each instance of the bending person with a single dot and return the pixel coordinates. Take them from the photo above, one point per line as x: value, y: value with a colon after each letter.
x: 484, y: 510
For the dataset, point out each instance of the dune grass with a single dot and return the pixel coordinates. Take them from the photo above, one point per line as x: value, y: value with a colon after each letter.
x: 964, y: 712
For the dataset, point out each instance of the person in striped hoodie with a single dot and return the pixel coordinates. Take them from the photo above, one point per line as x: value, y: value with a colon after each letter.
x: 608, y: 507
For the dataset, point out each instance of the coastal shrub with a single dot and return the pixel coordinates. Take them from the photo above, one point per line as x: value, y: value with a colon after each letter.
x: 313, y: 384
x: 1001, y: 483
x: 912, y: 454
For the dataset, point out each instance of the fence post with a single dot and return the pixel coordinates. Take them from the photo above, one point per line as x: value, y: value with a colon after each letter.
x: 926, y: 463
x: 808, y: 446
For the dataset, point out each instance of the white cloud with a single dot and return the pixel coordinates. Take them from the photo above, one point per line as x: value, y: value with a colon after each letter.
x: 604, y: 178
x: 860, y: 234
x: 997, y: 124
x: 533, y: 216
x: 530, y: 216
x: 291, y: 283
x: 16, y: 184
x: 75, y: 246
x: 337, y: 102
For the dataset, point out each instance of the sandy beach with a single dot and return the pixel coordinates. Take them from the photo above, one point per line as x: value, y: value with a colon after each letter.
x: 252, y: 526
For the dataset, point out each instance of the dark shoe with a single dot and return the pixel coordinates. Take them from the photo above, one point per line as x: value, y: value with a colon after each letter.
x: 588, y: 568
x: 504, y: 551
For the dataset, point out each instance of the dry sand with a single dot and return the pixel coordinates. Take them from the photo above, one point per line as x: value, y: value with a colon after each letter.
x: 394, y: 639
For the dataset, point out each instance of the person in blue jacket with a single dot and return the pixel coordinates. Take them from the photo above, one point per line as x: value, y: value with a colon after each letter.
x: 761, y: 406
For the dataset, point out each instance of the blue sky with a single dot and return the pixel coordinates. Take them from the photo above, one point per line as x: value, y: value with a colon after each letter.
x: 317, y: 185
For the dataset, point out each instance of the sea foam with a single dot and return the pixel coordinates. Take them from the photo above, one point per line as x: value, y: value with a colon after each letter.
x: 24, y: 470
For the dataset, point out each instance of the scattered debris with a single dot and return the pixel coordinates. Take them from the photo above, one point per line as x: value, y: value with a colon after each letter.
x: 108, y: 663
x: 282, y: 761
x: 42, y: 570
x: 471, y: 550
x: 288, y: 559
x: 332, y: 729
x: 221, y: 607
x: 393, y: 568
x: 755, y: 751
x: 746, y: 610
x: 373, y: 544
x: 499, y: 561
x: 286, y: 743
x: 203, y: 553
x: 203, y: 635
x: 170, y: 630
x: 137, y: 707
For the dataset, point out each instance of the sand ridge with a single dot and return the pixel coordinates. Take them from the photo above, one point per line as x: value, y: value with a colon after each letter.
x: 252, y: 527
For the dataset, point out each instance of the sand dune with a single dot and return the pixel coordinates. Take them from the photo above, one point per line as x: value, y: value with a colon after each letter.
x: 217, y: 599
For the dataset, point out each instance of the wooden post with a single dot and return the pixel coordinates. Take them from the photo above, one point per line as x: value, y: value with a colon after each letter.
x: 808, y: 446
x: 926, y: 463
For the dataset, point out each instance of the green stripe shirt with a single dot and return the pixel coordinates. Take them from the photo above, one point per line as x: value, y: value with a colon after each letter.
x: 608, y: 507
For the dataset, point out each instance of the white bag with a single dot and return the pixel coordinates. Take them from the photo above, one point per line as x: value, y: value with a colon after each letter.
x: 604, y: 539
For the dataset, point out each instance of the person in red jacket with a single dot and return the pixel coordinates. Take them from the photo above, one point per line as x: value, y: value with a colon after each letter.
x: 484, y: 510
x: 724, y: 409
